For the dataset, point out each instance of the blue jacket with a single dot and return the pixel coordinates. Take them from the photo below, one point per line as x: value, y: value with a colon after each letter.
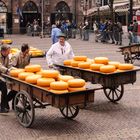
x: 54, y: 34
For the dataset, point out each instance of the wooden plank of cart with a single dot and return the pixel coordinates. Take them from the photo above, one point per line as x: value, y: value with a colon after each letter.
x: 112, y: 83
x: 30, y: 96
x: 131, y: 53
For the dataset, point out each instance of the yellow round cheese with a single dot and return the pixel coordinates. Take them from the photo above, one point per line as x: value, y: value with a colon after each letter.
x: 115, y: 63
x: 15, y: 72
x: 59, y: 85
x: 32, y: 79
x: 76, y: 89
x: 65, y: 78
x: 7, y: 41
x: 50, y: 73
x: 45, y: 82
x: 91, y: 61
x: 84, y: 65
x: 107, y: 68
x: 67, y: 62
x: 76, y: 83
x: 80, y: 58
x: 126, y: 66
x: 23, y: 75
x: 75, y: 63
x: 32, y: 68
x: 39, y: 72
x: 101, y: 60
x: 58, y: 91
x: 96, y: 67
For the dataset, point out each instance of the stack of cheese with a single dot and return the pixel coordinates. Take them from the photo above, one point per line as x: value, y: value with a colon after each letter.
x: 33, y: 51
x: 69, y: 86
x: 36, y: 52
x: 76, y: 85
x: 48, y: 79
x: 6, y: 41
x: 104, y: 65
x: 14, y: 50
x: 101, y: 64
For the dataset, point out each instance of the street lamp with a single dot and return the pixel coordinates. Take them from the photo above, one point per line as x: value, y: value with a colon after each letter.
x: 75, y: 11
x: 42, y: 17
x: 98, y: 11
x: 85, y: 18
x: 131, y: 10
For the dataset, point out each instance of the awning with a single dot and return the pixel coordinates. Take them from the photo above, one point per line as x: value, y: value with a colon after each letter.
x: 121, y: 6
x: 104, y: 8
x: 92, y: 11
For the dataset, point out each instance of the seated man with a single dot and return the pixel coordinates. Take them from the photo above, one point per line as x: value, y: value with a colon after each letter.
x: 21, y: 59
x: 59, y: 52
x: 4, y: 68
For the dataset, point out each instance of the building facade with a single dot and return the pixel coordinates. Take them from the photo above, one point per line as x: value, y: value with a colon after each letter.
x: 100, y: 10
x: 16, y: 14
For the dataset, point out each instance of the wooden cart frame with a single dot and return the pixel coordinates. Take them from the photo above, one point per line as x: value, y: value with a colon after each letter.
x: 29, y: 96
x: 131, y: 53
x: 112, y: 84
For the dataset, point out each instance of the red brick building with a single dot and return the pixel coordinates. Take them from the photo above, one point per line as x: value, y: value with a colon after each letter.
x: 15, y: 14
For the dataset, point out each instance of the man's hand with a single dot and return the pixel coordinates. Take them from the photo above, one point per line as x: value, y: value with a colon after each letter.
x: 8, y: 70
x: 50, y: 66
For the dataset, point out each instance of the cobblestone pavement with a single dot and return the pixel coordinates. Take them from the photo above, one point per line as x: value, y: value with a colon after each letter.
x: 101, y: 120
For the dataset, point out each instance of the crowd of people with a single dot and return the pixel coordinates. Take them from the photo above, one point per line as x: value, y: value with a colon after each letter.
x: 66, y: 27
x: 104, y: 31
x: 108, y: 31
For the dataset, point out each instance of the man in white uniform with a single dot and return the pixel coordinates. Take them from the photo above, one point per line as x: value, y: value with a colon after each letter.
x: 59, y: 52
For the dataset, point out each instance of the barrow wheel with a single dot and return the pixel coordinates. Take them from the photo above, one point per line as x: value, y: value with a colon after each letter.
x: 114, y: 94
x: 69, y: 112
x: 24, y: 109
x: 128, y: 58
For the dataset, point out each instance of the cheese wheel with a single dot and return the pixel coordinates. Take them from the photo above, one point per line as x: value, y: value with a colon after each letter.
x: 115, y: 63
x: 96, y: 67
x: 76, y: 83
x: 59, y: 85
x: 84, y: 65
x: 126, y: 66
x: 50, y: 73
x: 67, y: 62
x: 107, y: 68
x: 39, y: 72
x: 15, y: 72
x: 101, y: 60
x: 23, y: 75
x: 7, y: 41
x: 76, y: 89
x: 32, y: 79
x: 32, y: 68
x: 65, y: 78
x: 80, y: 58
x: 58, y: 91
x: 75, y: 63
x: 45, y: 82
x: 90, y: 60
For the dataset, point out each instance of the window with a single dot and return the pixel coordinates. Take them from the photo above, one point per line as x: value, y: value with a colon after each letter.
x: 30, y: 7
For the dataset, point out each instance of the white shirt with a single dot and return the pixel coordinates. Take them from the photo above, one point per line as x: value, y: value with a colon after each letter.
x: 57, y: 53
